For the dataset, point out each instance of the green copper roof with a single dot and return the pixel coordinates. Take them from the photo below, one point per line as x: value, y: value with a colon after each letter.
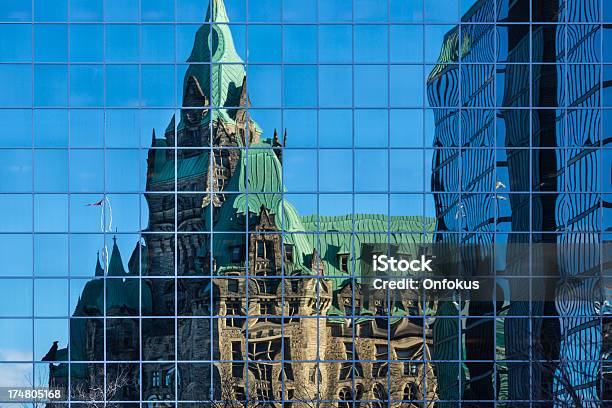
x: 258, y: 181
x: 369, y: 223
x: 119, y: 292
x: 187, y: 167
x: 336, y: 237
x: 91, y: 302
x: 214, y: 49
x: 262, y: 172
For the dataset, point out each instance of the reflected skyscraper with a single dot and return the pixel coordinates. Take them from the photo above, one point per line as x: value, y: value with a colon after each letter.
x: 517, y: 163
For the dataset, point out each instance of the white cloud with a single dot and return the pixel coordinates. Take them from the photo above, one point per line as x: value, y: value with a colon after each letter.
x: 15, y: 374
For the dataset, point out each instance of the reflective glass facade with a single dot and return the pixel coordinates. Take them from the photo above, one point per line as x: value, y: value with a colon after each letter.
x: 192, y: 190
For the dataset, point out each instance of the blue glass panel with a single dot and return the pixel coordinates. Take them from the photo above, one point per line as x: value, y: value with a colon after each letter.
x: 50, y: 10
x: 16, y: 10
x: 17, y: 89
x: 86, y: 43
x: 86, y: 10
x: 16, y: 170
x: 19, y: 48
x: 51, y: 43
x: 300, y: 85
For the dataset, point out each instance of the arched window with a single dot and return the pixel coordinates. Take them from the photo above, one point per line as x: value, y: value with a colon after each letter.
x: 380, y: 396
x: 351, y: 368
x: 411, y: 392
x: 345, y: 397
x: 358, y: 395
x: 169, y: 378
x: 155, y: 380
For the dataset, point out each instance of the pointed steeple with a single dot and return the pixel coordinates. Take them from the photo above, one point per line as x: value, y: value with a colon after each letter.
x: 138, y: 258
x: 99, y: 269
x: 214, y: 38
x: 216, y: 12
x: 266, y: 219
x: 156, y: 157
x: 115, y: 266
x: 278, y: 147
x: 214, y: 44
x: 170, y: 133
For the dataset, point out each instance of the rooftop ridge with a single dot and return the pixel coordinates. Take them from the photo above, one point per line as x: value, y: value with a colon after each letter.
x: 361, y: 216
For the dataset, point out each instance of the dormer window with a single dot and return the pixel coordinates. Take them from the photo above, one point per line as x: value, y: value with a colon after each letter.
x: 168, y: 378
x: 289, y: 253
x: 343, y: 262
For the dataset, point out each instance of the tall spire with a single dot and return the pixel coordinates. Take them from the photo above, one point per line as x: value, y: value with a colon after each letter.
x: 156, y: 158
x: 278, y: 147
x: 217, y: 68
x: 216, y: 12
x: 153, y: 138
x: 214, y: 43
x: 115, y: 266
x: 99, y: 269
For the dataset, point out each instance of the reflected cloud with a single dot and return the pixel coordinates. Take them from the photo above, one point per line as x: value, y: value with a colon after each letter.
x: 15, y: 374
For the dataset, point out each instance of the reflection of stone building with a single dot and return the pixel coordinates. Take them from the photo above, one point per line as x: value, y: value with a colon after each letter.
x: 322, y: 353
x: 244, y: 282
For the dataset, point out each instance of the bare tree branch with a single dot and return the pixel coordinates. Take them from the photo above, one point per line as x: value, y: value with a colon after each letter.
x: 98, y: 394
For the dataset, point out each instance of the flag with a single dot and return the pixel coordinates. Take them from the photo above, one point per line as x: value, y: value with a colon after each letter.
x: 97, y: 203
x: 103, y: 204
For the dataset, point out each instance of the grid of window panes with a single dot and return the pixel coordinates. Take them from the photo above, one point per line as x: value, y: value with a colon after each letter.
x: 487, y: 121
